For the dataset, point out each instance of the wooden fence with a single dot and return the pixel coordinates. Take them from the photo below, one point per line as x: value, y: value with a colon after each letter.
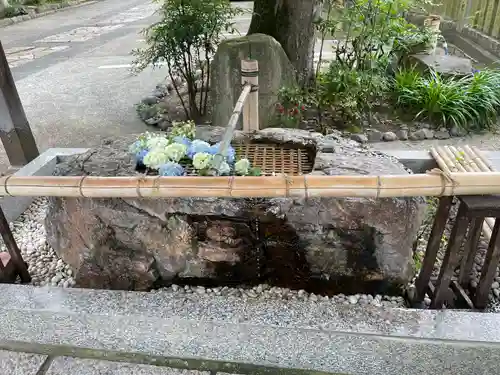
x: 483, y: 15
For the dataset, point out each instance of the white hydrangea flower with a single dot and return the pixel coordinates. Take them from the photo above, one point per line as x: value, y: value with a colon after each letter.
x: 158, y: 142
x: 176, y: 151
x: 242, y: 167
x: 202, y: 160
x: 156, y: 158
x: 224, y: 169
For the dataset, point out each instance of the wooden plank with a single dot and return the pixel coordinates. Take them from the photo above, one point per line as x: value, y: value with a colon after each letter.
x: 470, y: 250
x: 15, y: 254
x: 451, y: 257
x: 490, y: 266
x: 432, y: 249
x: 493, y: 18
x: 459, y: 291
x: 7, y: 269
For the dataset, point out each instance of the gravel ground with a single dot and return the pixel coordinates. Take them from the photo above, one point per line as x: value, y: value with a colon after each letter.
x: 264, y: 291
x: 45, y: 267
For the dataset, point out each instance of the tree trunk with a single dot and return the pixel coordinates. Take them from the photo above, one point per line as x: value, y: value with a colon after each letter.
x: 290, y: 22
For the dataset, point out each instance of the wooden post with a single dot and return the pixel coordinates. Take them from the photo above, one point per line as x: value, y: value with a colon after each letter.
x: 15, y: 254
x: 465, y: 9
x: 250, y: 74
x: 432, y: 250
x: 15, y: 131
x: 432, y: 23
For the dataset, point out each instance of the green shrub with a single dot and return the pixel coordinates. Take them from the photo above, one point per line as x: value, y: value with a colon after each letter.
x: 371, y: 30
x: 350, y: 92
x: 34, y: 2
x: 185, y: 39
x: 14, y: 11
x: 483, y: 94
x: 471, y: 102
x: 290, y: 107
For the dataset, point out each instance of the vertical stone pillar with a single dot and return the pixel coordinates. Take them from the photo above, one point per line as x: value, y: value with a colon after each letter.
x: 15, y: 131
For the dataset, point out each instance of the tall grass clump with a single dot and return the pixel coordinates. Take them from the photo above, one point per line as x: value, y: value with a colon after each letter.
x: 471, y: 102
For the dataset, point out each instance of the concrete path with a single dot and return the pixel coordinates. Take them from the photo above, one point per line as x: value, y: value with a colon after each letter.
x: 72, y: 71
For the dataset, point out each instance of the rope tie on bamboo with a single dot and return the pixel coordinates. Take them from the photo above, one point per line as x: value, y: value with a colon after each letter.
x: 5, y: 185
x: 288, y: 182
x: 445, y: 178
x: 138, y: 186
x: 379, y: 185
x: 230, y: 184
x: 306, y: 187
x: 156, y: 183
x: 80, y: 185
x: 287, y: 187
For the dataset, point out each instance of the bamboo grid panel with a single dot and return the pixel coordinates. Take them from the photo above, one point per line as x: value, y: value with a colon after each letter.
x: 272, y: 159
x: 465, y: 159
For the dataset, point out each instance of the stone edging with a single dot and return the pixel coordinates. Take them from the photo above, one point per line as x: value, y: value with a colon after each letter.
x: 403, y: 134
x: 40, y: 11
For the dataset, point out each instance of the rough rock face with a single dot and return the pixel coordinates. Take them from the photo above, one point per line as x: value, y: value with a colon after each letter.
x: 275, y: 71
x: 131, y: 243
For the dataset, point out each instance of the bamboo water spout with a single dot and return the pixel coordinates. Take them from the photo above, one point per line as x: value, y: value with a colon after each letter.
x: 231, y: 126
x: 434, y: 183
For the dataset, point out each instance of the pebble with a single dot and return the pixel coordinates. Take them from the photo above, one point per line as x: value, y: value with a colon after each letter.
x: 353, y: 299
x: 263, y: 291
x: 200, y: 290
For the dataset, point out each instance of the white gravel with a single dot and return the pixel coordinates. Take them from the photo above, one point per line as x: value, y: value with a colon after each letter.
x: 45, y: 267
x: 267, y: 292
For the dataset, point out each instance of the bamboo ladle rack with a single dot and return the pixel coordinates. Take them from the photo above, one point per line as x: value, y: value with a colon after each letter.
x: 465, y: 159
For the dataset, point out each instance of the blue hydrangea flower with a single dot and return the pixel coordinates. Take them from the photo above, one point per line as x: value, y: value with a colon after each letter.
x: 183, y: 140
x: 139, y: 157
x: 171, y: 169
x: 196, y: 147
x: 231, y: 153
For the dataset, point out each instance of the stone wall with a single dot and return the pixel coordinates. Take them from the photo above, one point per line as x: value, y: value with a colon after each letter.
x: 135, y: 243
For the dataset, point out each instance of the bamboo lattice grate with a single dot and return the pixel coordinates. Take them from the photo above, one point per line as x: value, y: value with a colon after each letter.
x: 276, y: 159
x: 272, y: 159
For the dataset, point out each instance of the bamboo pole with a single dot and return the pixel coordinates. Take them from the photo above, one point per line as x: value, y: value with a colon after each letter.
x: 250, y: 75
x: 480, y: 154
x: 448, y: 164
x: 231, y: 126
x: 430, y: 184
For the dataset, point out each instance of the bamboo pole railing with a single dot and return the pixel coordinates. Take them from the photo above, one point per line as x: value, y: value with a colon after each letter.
x: 434, y: 183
